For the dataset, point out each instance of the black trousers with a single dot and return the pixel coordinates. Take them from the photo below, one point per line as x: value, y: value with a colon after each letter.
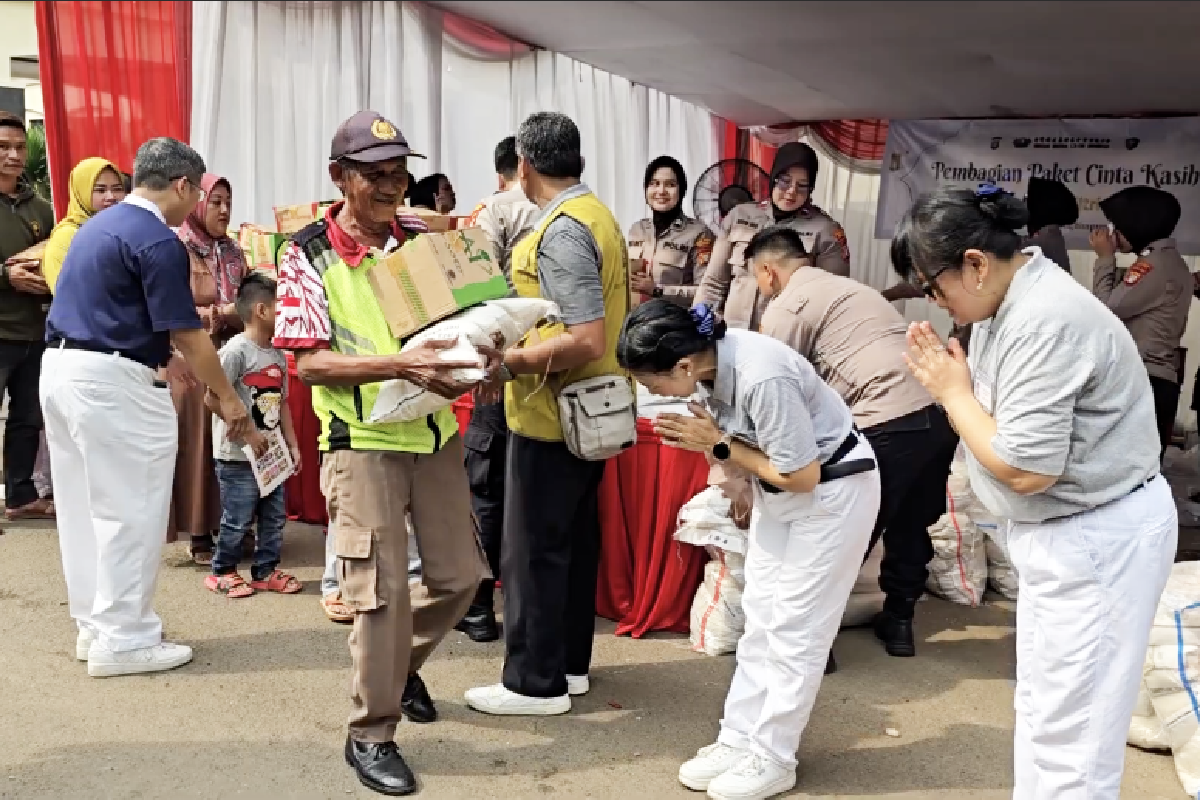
x: 485, y: 445
x: 20, y: 372
x: 550, y: 557
x: 1166, y: 405
x: 914, y: 454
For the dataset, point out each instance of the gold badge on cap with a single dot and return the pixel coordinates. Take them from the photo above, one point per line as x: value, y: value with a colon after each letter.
x: 382, y: 129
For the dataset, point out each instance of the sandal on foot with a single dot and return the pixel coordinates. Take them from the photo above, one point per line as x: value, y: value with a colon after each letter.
x: 279, y: 582
x: 334, y: 608
x: 231, y: 585
x: 38, y: 509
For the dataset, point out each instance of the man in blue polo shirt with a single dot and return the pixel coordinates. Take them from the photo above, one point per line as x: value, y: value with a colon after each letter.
x: 123, y: 299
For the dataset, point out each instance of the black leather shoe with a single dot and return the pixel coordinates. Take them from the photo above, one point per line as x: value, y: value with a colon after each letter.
x: 380, y: 767
x: 896, y: 634
x: 416, y: 703
x: 830, y: 665
x: 479, y: 624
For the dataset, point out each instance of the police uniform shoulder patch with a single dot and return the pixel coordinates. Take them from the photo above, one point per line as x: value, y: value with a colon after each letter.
x: 839, y: 235
x: 1139, y: 270
x: 473, y: 219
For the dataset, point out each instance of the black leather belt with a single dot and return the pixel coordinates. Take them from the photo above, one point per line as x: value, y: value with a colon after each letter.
x: 834, y: 468
x: 75, y: 344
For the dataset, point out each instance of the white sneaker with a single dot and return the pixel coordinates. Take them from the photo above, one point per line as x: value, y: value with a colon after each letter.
x: 577, y: 685
x: 710, y: 761
x: 83, y: 643
x: 752, y: 778
x: 498, y: 700
x: 104, y: 663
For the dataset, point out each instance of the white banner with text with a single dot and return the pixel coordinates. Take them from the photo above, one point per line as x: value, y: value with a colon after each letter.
x: 1094, y: 158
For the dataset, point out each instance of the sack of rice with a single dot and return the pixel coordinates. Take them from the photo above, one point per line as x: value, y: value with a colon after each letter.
x: 495, y: 323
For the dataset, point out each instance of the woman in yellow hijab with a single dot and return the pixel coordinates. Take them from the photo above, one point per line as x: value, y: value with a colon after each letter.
x: 95, y: 185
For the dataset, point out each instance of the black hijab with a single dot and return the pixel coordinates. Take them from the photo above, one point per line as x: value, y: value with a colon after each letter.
x: 793, y: 154
x: 663, y: 219
x: 1142, y: 214
x: 1050, y: 203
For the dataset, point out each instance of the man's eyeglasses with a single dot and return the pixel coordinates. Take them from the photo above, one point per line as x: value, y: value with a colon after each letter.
x: 783, y: 183
x: 194, y: 185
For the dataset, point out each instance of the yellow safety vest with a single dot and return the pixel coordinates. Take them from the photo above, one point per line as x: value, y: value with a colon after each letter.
x: 531, y: 401
x: 358, y: 327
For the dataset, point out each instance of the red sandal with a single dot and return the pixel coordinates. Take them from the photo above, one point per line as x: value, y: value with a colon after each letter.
x: 279, y: 582
x: 231, y: 585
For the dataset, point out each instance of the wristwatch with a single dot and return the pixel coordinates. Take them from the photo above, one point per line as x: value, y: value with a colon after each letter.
x: 721, y: 451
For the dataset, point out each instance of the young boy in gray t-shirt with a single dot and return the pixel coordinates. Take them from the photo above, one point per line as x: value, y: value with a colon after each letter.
x: 259, y: 374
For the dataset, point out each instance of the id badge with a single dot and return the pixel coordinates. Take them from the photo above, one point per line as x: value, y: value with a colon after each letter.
x: 983, y: 391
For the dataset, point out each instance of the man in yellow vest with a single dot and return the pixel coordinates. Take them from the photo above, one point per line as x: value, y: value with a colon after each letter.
x: 575, y: 256
x: 370, y: 474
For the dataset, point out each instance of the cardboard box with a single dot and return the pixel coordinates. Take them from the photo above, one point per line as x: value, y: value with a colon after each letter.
x: 261, y: 246
x: 290, y: 219
x: 438, y: 223
x: 434, y: 276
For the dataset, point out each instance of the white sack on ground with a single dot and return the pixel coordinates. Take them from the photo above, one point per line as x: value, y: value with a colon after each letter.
x: 1172, y: 672
x: 716, y: 621
x: 1145, y: 731
x: 495, y: 323
x: 958, y: 571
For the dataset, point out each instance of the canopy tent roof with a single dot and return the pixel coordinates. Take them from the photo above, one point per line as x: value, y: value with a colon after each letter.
x: 762, y: 63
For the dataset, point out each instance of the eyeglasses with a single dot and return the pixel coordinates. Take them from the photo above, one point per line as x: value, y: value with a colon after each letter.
x: 929, y: 285
x: 194, y: 185
x: 783, y: 183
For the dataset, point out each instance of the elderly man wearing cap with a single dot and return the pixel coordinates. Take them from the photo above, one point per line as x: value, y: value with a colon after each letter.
x: 370, y: 473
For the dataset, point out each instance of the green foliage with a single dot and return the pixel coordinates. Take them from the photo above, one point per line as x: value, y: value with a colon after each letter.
x: 37, y: 165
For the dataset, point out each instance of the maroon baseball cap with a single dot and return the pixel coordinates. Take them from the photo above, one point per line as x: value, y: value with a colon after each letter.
x: 368, y: 137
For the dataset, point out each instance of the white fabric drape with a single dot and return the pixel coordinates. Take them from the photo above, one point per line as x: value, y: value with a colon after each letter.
x: 272, y: 81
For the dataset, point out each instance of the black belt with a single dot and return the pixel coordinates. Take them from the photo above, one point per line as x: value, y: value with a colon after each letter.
x: 834, y: 468
x: 75, y: 344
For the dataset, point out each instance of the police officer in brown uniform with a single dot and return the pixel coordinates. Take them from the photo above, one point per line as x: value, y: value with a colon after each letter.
x: 728, y: 285
x: 855, y: 340
x: 672, y: 248
x: 505, y: 217
x: 1154, y: 295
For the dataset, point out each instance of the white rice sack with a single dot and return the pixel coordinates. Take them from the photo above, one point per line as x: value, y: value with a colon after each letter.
x: 495, y: 323
x: 1145, y: 730
x: 704, y: 521
x: 958, y: 571
x: 717, y: 619
x: 1002, y: 575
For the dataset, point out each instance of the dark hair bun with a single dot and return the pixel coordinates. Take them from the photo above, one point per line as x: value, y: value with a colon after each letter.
x: 719, y: 330
x: 1006, y: 210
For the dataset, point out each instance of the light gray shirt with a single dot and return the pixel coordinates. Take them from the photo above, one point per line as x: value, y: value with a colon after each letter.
x: 1062, y: 377
x: 259, y: 375
x: 568, y: 263
x: 768, y: 396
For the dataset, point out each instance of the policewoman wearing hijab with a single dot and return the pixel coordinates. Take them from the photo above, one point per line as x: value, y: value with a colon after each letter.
x: 1057, y: 417
x: 217, y: 268
x: 816, y: 494
x: 1051, y: 205
x: 728, y: 285
x: 95, y: 184
x: 1154, y: 295
x: 671, y: 249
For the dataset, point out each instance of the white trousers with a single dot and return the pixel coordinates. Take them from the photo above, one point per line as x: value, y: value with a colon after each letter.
x: 112, y: 435
x: 804, y: 555
x: 1089, y: 585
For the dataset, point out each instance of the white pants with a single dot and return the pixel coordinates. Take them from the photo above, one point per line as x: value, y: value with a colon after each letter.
x: 1089, y: 585
x: 112, y: 436
x: 804, y: 556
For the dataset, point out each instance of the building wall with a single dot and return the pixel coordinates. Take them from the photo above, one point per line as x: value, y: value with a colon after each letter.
x: 18, y: 37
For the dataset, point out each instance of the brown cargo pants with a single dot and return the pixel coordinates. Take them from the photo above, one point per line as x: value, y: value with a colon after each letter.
x: 367, y: 494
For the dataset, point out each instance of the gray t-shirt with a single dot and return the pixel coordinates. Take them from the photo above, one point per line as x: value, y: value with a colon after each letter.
x: 769, y: 396
x: 1062, y: 377
x: 568, y: 262
x: 259, y: 375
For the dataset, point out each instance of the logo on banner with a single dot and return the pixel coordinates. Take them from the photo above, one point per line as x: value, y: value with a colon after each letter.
x: 996, y: 142
x: 1132, y: 142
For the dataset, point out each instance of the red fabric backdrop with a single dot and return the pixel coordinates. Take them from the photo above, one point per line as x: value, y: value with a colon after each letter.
x: 863, y: 139
x: 114, y: 74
